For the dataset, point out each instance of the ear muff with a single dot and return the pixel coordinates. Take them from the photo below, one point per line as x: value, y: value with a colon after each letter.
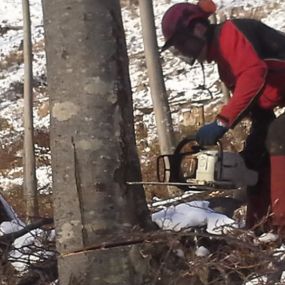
x: 207, y: 6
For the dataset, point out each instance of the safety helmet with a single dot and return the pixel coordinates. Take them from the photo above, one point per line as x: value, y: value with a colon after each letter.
x: 181, y: 15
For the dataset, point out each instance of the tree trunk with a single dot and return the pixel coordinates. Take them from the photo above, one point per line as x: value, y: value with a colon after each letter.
x: 93, y: 144
x: 30, y: 181
x: 157, y: 87
x: 226, y: 92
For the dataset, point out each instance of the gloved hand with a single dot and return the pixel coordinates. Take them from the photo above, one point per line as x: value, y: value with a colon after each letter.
x: 210, y: 133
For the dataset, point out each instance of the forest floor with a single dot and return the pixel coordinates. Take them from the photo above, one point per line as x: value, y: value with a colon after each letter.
x: 234, y: 258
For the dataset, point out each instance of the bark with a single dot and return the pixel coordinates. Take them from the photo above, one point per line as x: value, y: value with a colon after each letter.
x: 30, y: 181
x: 92, y: 142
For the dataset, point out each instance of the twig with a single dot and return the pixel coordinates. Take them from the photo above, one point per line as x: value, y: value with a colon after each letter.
x: 7, y: 239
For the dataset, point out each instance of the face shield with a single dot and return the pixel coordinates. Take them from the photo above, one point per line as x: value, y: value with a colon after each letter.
x: 186, y: 45
x: 177, y: 53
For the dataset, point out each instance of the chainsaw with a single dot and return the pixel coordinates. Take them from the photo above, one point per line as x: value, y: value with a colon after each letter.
x: 192, y: 167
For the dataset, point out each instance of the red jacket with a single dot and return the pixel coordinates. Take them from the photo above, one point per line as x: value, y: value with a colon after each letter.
x: 254, y: 72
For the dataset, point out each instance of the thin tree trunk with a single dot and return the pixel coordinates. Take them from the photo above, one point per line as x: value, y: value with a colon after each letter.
x: 157, y: 86
x: 30, y: 182
x: 93, y: 144
x: 226, y: 92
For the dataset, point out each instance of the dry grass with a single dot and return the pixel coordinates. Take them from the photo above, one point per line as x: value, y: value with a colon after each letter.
x: 13, y: 58
x: 234, y: 258
x: 254, y: 13
x: 16, y: 57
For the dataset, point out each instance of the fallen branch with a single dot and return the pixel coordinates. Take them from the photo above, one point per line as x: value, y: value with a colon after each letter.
x: 7, y: 239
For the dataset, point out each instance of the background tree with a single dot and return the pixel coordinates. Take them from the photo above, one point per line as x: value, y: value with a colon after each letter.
x: 30, y: 180
x: 156, y: 81
x: 159, y: 98
x: 93, y: 144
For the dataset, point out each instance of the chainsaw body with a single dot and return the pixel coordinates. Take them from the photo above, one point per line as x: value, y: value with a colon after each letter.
x: 210, y: 167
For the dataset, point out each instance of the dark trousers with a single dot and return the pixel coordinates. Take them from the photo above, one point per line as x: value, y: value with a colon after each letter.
x: 265, y: 153
x: 276, y: 146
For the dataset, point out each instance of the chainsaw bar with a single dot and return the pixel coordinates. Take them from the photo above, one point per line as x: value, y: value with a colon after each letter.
x: 188, y: 185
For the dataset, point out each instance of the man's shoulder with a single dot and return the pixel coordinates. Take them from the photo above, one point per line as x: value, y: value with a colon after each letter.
x: 265, y: 40
x: 226, y: 31
x: 226, y: 28
x: 240, y: 23
x: 232, y: 35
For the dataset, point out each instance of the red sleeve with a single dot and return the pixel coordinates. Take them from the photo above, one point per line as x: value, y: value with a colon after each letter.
x: 248, y: 69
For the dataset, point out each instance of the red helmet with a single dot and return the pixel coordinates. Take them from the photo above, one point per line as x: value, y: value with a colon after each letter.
x: 180, y: 16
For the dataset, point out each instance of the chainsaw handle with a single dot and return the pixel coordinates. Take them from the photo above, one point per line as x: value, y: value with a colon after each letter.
x: 197, y: 147
x: 170, y: 163
x: 162, y: 158
x: 186, y: 141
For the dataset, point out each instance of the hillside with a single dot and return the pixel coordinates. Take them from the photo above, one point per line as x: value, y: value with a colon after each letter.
x: 182, y: 84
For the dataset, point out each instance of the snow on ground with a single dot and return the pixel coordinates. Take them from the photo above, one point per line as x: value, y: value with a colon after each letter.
x: 181, y: 80
x: 193, y: 214
x: 181, y: 83
x: 11, y: 16
x: 27, y: 248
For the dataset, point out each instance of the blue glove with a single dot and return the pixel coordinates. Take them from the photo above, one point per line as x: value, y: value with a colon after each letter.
x: 210, y: 133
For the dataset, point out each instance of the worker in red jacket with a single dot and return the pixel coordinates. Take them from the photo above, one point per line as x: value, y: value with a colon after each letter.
x: 251, y: 62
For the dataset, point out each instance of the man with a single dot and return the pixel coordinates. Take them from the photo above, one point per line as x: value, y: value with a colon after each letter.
x: 251, y: 62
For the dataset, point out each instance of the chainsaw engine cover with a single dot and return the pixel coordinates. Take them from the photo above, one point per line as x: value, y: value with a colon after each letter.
x: 223, y: 169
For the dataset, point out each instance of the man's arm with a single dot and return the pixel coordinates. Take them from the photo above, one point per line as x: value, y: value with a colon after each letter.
x: 249, y: 70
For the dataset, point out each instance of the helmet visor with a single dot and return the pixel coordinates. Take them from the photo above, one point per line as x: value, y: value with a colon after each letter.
x: 185, y: 43
x: 177, y: 53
